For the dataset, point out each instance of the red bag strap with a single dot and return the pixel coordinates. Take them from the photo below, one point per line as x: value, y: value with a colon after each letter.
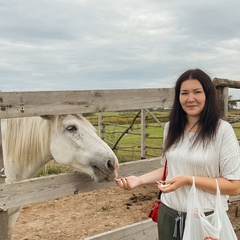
x: 163, y: 178
x: 165, y: 171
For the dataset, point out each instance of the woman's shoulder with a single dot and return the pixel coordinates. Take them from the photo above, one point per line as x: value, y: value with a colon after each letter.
x: 166, y: 127
x: 167, y: 124
x: 224, y: 126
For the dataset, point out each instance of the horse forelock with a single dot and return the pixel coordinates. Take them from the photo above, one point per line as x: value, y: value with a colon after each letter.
x: 59, y: 119
x: 27, y: 139
x: 87, y: 123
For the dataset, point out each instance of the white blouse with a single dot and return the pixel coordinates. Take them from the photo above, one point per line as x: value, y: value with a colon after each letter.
x: 221, y: 158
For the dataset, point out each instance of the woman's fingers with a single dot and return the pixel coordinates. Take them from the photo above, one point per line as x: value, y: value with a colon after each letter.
x: 162, y: 184
x: 165, y: 185
x: 119, y: 183
x: 123, y: 183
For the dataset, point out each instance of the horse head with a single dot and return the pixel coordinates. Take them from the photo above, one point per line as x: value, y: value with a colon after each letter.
x: 74, y: 142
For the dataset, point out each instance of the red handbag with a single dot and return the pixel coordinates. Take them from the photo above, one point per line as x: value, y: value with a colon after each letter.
x: 156, y: 204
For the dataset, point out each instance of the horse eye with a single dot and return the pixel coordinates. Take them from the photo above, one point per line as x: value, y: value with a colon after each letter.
x: 71, y: 128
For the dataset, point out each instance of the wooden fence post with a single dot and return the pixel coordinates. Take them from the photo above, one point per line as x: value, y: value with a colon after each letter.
x: 143, y: 134
x: 3, y: 214
x: 100, y: 125
x: 222, y: 96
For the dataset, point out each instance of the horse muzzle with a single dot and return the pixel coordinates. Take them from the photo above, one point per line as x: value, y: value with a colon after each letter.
x: 106, y: 172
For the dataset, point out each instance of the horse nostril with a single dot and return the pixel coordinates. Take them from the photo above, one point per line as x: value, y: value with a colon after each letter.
x: 110, y: 165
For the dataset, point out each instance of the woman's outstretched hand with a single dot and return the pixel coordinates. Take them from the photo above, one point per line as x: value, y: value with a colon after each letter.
x: 128, y: 183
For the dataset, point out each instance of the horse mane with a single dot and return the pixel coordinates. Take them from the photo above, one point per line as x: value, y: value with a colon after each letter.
x: 28, y: 139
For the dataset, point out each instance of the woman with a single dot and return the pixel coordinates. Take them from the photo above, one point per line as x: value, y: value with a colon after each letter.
x: 196, y: 143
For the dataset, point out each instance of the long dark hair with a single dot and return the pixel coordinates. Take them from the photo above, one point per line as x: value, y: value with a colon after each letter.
x: 209, y: 117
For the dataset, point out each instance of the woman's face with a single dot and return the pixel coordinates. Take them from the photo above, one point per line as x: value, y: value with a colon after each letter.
x: 192, y: 97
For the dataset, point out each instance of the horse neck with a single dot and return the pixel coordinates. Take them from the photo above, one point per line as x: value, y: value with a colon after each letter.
x: 25, y: 147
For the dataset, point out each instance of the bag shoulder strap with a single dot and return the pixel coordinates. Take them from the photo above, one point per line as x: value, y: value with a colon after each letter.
x: 163, y: 177
x: 165, y: 171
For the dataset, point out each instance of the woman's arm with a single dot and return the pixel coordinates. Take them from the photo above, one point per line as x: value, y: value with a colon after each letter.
x: 227, y: 187
x: 132, y: 182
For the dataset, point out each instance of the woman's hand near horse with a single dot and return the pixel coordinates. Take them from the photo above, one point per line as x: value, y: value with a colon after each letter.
x: 129, y: 183
x: 132, y: 182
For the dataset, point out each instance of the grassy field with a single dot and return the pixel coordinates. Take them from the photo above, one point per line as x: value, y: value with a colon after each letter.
x: 129, y: 147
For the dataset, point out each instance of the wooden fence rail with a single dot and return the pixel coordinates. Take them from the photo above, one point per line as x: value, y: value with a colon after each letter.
x: 146, y: 230
x: 50, y: 187
x: 25, y: 104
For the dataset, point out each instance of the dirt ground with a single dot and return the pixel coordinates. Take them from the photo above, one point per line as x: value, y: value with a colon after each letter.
x: 79, y: 216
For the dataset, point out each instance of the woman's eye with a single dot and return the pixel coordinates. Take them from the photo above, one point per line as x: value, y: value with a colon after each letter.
x: 71, y: 128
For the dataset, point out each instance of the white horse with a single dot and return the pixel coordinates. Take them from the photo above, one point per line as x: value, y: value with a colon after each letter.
x: 29, y: 143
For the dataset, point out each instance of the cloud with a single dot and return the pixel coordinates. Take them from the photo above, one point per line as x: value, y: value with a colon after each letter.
x: 77, y: 44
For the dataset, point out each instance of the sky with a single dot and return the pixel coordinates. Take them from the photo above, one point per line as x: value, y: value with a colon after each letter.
x: 52, y: 45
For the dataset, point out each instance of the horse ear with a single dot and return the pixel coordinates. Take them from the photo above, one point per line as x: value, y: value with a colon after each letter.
x: 48, y: 117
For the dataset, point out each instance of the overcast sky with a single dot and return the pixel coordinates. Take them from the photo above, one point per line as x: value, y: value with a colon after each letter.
x: 107, y: 44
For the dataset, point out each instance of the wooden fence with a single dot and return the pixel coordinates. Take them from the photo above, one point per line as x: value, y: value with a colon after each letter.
x: 25, y: 104
x: 222, y: 86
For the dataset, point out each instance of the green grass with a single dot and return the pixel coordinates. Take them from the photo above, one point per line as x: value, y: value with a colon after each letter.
x: 52, y: 168
x: 236, y: 127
